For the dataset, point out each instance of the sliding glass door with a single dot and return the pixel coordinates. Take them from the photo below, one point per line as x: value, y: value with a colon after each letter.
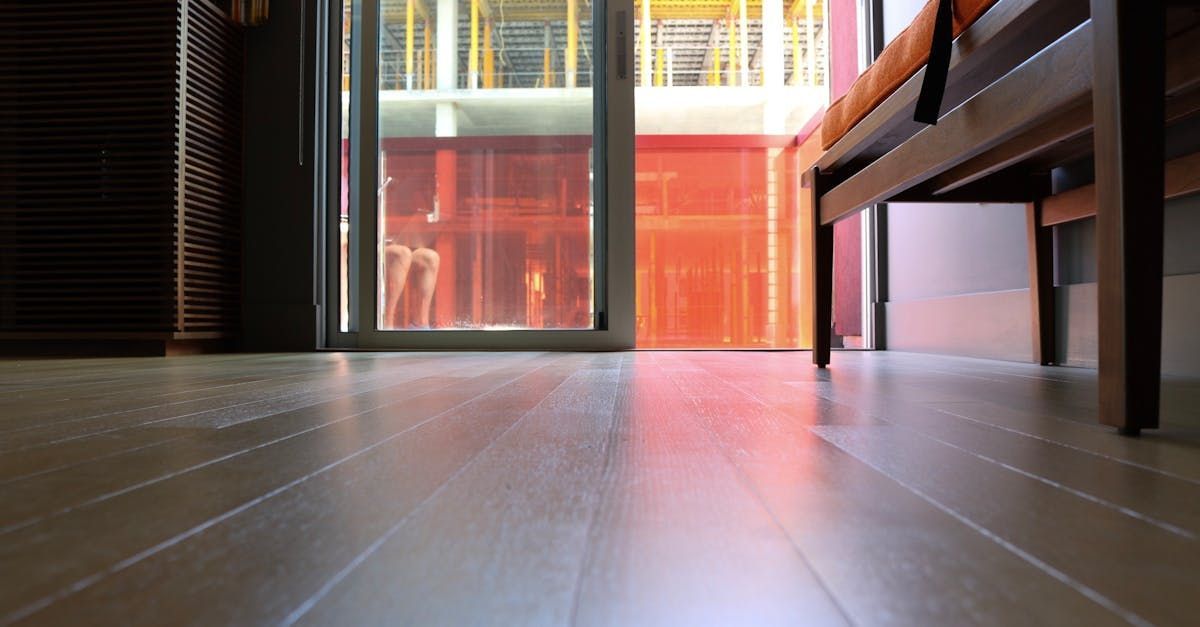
x: 726, y: 95
x: 485, y: 189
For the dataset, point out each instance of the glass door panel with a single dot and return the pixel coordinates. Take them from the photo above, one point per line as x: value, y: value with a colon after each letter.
x: 475, y: 175
x: 485, y: 201
x: 723, y: 90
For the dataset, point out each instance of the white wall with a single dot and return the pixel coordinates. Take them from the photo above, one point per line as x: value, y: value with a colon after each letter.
x: 940, y: 255
x: 952, y: 249
x: 958, y: 274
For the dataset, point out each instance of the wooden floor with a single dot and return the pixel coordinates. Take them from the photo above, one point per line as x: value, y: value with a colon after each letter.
x: 616, y: 488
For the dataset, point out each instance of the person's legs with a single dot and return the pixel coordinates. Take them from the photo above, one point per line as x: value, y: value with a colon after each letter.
x: 398, y: 261
x: 425, y: 263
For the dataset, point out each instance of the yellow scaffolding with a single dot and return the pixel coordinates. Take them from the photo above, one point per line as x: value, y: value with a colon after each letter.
x: 489, y: 58
x: 733, y: 49
x: 660, y: 61
x: 409, y: 36
x: 428, y: 60
x: 540, y: 10
x: 802, y: 17
x: 714, y: 71
x: 572, y: 64
x: 473, y: 58
x: 795, y: 24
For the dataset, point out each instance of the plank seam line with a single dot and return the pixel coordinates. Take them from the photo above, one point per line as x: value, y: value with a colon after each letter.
x: 1132, y: 513
x: 228, y: 456
x: 1072, y: 447
x: 311, y: 602
x: 182, y: 370
x: 89, y: 460
x: 312, y: 370
x: 1127, y: 511
x: 371, y: 380
x: 758, y: 497
x: 601, y: 493
x: 43, y: 425
x: 92, y: 579
x: 1080, y: 587
x: 169, y: 440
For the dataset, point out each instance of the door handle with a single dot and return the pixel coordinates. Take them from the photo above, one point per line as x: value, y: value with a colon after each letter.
x: 622, y: 58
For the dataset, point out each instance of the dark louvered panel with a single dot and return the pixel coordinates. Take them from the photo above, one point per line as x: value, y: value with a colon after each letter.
x: 86, y: 144
x: 120, y: 167
x: 211, y: 191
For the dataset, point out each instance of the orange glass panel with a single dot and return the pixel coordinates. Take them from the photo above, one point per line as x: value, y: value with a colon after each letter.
x: 720, y: 235
x: 719, y: 243
x: 509, y: 218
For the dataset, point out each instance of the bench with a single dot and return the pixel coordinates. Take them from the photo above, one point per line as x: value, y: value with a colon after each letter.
x: 1031, y: 85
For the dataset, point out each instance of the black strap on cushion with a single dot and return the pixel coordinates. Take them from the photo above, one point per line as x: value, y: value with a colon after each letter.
x: 933, y: 87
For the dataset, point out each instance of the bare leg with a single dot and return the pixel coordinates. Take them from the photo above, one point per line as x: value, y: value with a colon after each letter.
x: 425, y: 271
x: 399, y: 259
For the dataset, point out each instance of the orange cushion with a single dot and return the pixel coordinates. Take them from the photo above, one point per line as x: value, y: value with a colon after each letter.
x: 902, y: 58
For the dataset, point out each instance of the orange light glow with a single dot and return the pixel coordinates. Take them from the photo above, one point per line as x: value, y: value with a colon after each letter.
x: 719, y: 234
x: 718, y: 242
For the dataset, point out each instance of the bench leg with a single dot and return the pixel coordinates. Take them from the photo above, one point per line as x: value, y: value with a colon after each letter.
x: 1041, y: 283
x: 822, y: 277
x: 1128, y: 108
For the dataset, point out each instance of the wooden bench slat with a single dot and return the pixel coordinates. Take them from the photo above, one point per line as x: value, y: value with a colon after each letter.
x: 1055, y: 80
x: 1183, y: 100
x: 1182, y: 178
x: 1010, y: 32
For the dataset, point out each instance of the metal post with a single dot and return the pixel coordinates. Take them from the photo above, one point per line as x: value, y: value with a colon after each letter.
x: 645, y: 43
x: 823, y: 36
x: 572, y: 42
x: 489, y: 58
x: 810, y: 45
x: 774, y: 112
x: 446, y: 122
x: 795, y: 52
x: 447, y: 45
x: 428, y: 70
x: 410, y: 9
x: 744, y: 36
x: 733, y: 51
x: 547, y: 56
x: 473, y: 56
x: 714, y: 72
x: 772, y: 43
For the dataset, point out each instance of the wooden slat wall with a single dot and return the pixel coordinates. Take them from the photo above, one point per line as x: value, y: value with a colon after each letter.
x: 86, y: 142
x: 209, y: 258
x: 91, y: 181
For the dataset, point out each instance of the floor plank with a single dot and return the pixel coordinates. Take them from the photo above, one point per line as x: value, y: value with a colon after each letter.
x: 172, y: 423
x: 503, y: 542
x: 604, y: 488
x: 344, y: 506
x: 287, y: 391
x: 188, y: 502
x: 57, y: 492
x: 885, y: 552
x: 1164, y: 499
x: 1090, y: 547
x: 668, y: 491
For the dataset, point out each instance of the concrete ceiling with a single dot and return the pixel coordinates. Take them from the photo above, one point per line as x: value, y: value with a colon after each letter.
x: 660, y: 111
x: 519, y: 46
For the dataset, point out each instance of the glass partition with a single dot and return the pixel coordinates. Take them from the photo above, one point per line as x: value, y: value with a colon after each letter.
x: 723, y: 92
x: 481, y: 206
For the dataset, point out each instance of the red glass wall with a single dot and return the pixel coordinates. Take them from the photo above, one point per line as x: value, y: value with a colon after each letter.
x: 720, y: 259
x: 718, y: 242
x: 509, y: 218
